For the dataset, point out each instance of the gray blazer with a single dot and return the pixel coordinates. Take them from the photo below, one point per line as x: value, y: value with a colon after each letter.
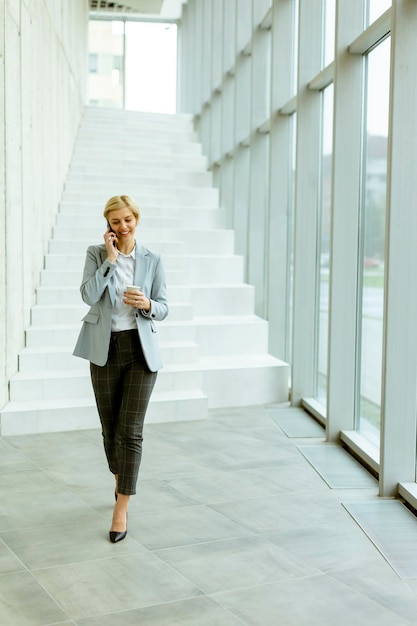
x: 98, y: 289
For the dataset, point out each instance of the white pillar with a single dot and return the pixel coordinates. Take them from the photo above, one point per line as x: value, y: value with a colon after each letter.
x: 346, y: 182
x: 399, y: 389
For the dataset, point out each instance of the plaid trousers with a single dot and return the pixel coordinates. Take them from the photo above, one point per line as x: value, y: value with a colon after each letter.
x: 122, y: 389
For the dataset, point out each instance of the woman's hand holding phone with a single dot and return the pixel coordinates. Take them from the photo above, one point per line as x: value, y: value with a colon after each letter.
x: 110, y: 241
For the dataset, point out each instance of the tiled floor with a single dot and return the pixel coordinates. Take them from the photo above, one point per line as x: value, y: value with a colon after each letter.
x: 231, y: 526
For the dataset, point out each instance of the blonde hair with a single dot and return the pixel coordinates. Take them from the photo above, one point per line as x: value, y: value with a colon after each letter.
x: 121, y: 202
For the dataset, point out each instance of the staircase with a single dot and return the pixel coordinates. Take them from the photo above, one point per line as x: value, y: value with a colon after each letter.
x: 214, y: 347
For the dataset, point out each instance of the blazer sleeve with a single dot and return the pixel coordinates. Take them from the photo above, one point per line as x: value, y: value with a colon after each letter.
x: 158, y: 295
x: 96, y: 276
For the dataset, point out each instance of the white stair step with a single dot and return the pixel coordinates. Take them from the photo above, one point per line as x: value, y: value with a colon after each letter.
x: 51, y: 385
x: 197, y: 242
x: 205, y: 197
x: 231, y: 335
x: 95, y: 233
x: 66, y: 335
x: 61, y: 261
x: 210, y: 269
x: 20, y: 418
x: 95, y: 208
x: 177, y: 162
x: 72, y: 277
x: 61, y: 359
x: 73, y: 246
x: 114, y: 136
x: 233, y: 299
x: 52, y: 312
x: 73, y: 220
x: 197, y: 217
x: 243, y: 381
x: 139, y: 187
x: 121, y: 149
x: 162, y: 177
x: 50, y: 358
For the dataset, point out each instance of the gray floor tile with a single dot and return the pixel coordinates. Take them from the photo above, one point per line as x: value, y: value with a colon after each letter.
x: 393, y: 529
x: 294, y: 476
x: 11, y: 460
x: 249, y: 454
x: 182, y: 526
x: 47, y: 448
x: 226, y: 565
x: 87, y: 539
x: 313, y: 601
x: 216, y: 487
x: 327, y: 547
x: 33, y: 499
x: 283, y: 511
x: 194, y: 612
x: 93, y: 588
x: 158, y: 494
x: 337, y: 467
x: 379, y: 582
x: 9, y: 563
x: 173, y: 463
x: 23, y: 602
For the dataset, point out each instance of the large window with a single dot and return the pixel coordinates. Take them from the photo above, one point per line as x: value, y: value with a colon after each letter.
x: 133, y: 65
x: 335, y: 281
x: 372, y: 252
x: 106, y: 67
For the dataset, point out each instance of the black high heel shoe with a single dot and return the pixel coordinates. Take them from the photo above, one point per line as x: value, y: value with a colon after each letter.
x: 116, y: 535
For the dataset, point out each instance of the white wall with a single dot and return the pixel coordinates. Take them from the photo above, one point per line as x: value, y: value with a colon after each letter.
x: 43, y: 69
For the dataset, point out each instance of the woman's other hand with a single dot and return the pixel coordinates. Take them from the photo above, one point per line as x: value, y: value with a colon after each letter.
x: 137, y: 299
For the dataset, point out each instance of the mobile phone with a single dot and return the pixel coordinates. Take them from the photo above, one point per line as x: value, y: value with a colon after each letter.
x: 112, y: 231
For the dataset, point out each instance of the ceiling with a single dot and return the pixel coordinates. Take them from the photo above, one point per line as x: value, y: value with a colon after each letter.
x: 168, y: 9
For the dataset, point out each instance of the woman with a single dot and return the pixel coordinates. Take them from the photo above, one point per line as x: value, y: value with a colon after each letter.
x: 124, y: 284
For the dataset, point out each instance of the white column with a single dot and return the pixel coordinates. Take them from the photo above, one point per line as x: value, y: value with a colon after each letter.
x: 399, y: 391
x: 306, y: 198
x: 345, y: 221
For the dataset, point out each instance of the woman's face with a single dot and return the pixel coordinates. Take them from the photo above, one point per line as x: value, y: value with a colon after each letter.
x: 123, y: 223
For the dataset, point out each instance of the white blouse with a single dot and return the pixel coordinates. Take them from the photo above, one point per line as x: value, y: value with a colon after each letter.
x: 123, y: 317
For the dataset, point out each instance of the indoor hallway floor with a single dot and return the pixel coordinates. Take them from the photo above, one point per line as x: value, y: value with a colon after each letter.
x: 232, y: 525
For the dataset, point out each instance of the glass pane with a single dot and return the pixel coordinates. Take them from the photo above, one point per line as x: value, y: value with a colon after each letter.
x: 324, y: 245
x: 373, y: 241
x: 290, y: 239
x: 329, y: 31
x: 376, y: 8
x: 105, y: 79
x: 151, y: 67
